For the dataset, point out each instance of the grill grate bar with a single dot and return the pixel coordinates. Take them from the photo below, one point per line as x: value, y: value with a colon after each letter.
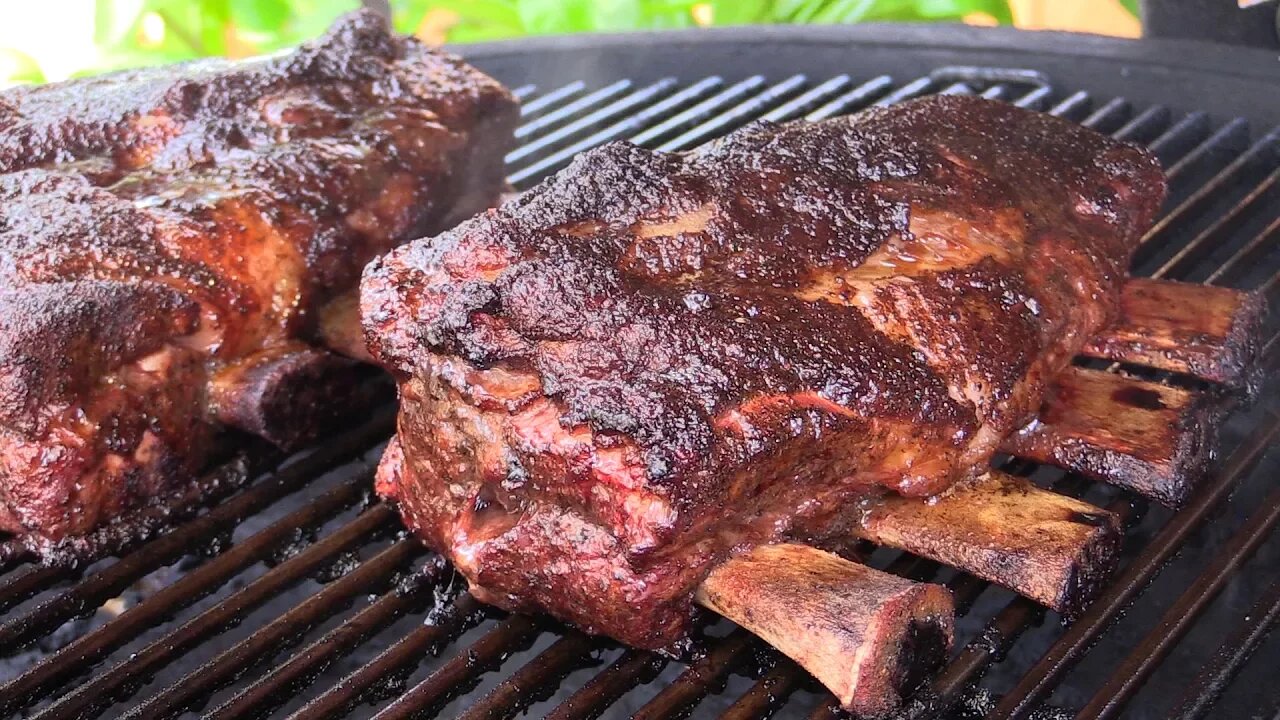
x: 32, y: 581
x: 1107, y: 117
x: 806, y: 100
x: 1270, y: 288
x: 998, y: 91
x: 1073, y: 105
x: 604, y: 114
x: 1145, y: 125
x: 1209, y: 239
x: 12, y: 554
x: 621, y: 129
x: 1133, y: 672
x: 699, y: 678
x: 734, y: 116
x: 853, y: 99
x: 121, y: 680
x: 769, y: 693
x: 1035, y: 99
x: 373, y: 575
x: 299, y: 670
x: 538, y: 678
x: 533, y: 108
x: 524, y: 91
x: 1079, y: 637
x: 1262, y: 152
x: 915, y: 88
x: 1233, y: 136
x: 555, y: 117
x: 87, y: 649
x: 958, y: 88
x: 632, y: 668
x: 396, y: 661
x: 1180, y: 138
x: 1231, y: 656
x: 463, y: 670
x: 169, y: 547
x: 695, y: 114
x: 1261, y: 242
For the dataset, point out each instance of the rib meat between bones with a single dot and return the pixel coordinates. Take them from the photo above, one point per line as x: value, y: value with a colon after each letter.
x: 168, y: 237
x: 653, y: 361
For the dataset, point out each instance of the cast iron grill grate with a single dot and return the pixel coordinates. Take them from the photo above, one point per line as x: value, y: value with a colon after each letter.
x: 295, y: 594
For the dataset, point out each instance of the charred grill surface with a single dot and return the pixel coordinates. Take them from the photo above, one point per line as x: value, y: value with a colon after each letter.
x: 168, y: 237
x: 653, y: 361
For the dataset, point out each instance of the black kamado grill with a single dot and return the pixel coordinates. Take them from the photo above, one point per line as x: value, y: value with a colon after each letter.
x: 284, y: 588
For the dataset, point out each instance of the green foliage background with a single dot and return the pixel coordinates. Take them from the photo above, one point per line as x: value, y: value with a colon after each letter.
x: 196, y: 28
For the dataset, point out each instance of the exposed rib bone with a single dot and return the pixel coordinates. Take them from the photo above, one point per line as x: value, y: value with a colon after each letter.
x: 1150, y: 438
x: 870, y: 637
x: 286, y: 394
x: 1051, y: 548
x: 340, y: 329
x: 1209, y: 332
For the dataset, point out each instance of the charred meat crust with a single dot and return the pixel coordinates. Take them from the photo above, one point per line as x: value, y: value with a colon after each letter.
x: 158, y: 225
x: 652, y: 361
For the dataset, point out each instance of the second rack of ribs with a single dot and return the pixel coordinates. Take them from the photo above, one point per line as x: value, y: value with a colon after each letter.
x: 653, y: 361
x: 169, y: 236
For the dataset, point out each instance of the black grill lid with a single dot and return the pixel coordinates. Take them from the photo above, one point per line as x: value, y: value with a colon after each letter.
x: 1185, y: 75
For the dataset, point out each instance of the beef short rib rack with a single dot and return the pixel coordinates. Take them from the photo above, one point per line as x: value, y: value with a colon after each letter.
x: 170, y: 235
x: 652, y: 362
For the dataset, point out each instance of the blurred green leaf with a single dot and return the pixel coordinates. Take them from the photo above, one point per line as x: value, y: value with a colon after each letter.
x: 313, y: 17
x: 561, y: 16
x: 740, y: 12
x: 112, y: 19
x: 406, y: 15
x: 477, y: 19
x: 264, y: 16
x: 194, y: 28
x: 18, y: 67
x: 843, y: 11
x: 1132, y: 7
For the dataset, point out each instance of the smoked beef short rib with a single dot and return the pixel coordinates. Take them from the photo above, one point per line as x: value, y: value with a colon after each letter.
x: 168, y: 237
x: 654, y: 361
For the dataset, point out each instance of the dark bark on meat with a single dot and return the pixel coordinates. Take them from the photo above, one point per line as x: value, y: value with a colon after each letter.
x: 161, y: 227
x: 651, y: 362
